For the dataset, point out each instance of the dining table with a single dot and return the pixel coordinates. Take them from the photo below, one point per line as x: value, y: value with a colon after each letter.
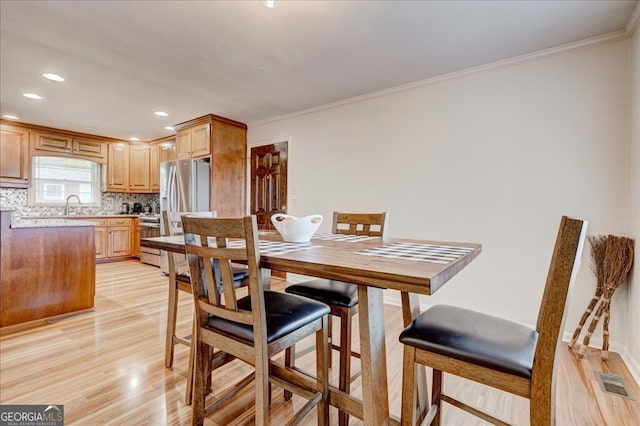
x: 413, y: 267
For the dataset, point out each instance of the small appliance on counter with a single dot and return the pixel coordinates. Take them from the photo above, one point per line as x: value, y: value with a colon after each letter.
x: 137, y: 208
x: 147, y: 209
x: 124, y: 208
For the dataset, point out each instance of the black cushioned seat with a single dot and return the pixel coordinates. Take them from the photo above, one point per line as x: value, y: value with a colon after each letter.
x: 327, y: 291
x: 285, y: 313
x: 474, y: 337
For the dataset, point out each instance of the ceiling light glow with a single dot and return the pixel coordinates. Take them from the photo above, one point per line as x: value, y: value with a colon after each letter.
x: 269, y: 3
x: 134, y: 139
x: 32, y: 96
x: 169, y: 128
x: 161, y: 114
x: 52, y: 76
x: 10, y: 117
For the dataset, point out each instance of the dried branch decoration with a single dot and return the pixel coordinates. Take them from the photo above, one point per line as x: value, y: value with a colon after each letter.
x: 611, y: 261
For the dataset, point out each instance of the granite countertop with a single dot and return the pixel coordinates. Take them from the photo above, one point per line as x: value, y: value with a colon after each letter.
x: 62, y: 221
x: 49, y: 223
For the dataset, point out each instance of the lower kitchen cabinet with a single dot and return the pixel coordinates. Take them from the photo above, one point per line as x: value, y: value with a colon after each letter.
x: 135, y: 241
x: 101, y: 242
x: 113, y: 237
x: 119, y: 237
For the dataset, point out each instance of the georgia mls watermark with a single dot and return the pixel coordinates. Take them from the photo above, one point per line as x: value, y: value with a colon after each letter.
x: 31, y: 415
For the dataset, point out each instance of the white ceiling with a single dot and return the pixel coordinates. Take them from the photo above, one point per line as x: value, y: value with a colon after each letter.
x: 124, y: 60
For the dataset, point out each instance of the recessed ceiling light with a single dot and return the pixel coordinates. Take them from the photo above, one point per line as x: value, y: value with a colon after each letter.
x: 52, y: 76
x: 10, y: 117
x: 269, y: 3
x: 134, y: 139
x: 161, y: 114
x: 32, y: 96
x: 169, y: 128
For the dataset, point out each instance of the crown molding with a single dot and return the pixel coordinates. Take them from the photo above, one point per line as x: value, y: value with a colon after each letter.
x: 593, y: 41
x: 634, y: 21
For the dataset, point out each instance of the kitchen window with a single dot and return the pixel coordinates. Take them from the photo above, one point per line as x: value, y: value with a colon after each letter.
x: 55, y: 178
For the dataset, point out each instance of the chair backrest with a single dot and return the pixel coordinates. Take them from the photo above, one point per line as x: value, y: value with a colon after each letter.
x: 563, y: 269
x: 172, y: 221
x: 370, y: 224
x: 206, y: 244
x: 172, y: 226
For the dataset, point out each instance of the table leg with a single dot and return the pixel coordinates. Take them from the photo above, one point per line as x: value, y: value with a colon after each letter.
x: 373, y: 356
x: 410, y: 310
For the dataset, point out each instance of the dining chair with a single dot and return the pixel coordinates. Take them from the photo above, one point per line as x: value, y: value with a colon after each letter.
x: 252, y: 328
x: 341, y: 297
x: 493, y: 351
x: 180, y: 280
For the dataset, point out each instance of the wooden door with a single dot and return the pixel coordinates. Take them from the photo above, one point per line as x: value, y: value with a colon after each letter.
x: 201, y: 141
x: 101, y: 242
x: 154, y: 171
x: 135, y: 241
x: 139, y: 166
x: 118, y: 168
x: 53, y: 142
x: 268, y: 182
x: 14, y: 157
x: 89, y: 148
x: 119, y: 241
x: 167, y: 151
x: 183, y: 143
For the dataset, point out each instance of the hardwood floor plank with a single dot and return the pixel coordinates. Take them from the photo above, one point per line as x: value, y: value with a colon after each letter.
x: 107, y: 367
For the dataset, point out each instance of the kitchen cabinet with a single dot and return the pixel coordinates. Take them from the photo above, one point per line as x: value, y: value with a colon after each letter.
x: 135, y: 240
x: 113, y: 236
x: 15, y: 161
x: 161, y: 150
x: 133, y: 168
x: 46, y: 271
x: 101, y: 242
x: 118, y: 167
x: 68, y: 145
x: 154, y: 169
x: 194, y: 141
x: 224, y: 143
x: 119, y: 237
x: 139, y: 167
x: 167, y: 151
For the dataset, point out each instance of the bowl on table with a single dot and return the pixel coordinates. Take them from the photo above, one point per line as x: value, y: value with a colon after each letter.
x: 296, y: 229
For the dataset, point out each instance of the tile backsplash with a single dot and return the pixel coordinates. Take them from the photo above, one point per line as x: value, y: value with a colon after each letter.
x: 14, y: 198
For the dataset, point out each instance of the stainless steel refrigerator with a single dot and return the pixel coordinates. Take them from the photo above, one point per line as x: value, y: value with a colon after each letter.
x: 184, y: 187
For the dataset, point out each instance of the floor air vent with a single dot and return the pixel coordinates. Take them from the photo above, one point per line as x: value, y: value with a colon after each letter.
x: 614, y: 384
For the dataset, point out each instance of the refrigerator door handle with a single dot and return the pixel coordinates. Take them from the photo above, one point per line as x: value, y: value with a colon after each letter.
x: 171, y: 205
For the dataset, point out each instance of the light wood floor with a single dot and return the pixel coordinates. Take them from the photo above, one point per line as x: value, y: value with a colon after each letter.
x: 106, y: 367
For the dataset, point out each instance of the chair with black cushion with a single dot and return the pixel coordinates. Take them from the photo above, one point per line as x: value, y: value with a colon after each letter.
x: 496, y: 352
x: 179, y: 280
x: 252, y: 328
x: 340, y: 296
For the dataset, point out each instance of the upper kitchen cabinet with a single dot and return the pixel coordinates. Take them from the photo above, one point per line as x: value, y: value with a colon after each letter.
x: 161, y: 150
x: 194, y: 141
x: 139, y: 167
x: 132, y: 168
x: 14, y: 157
x: 118, y: 167
x: 69, y: 145
x: 224, y: 143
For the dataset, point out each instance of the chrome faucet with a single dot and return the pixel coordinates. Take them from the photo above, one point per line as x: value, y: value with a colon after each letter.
x: 66, y: 205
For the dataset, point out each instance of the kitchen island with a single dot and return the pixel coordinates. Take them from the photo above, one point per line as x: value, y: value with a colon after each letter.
x: 47, y: 268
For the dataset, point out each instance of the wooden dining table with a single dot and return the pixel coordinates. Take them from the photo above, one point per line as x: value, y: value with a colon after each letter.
x: 412, y: 267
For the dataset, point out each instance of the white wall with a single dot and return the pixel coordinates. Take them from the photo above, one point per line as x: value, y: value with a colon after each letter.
x: 633, y: 354
x: 494, y: 156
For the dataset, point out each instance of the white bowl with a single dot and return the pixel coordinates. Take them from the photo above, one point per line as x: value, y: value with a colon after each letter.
x: 296, y: 230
